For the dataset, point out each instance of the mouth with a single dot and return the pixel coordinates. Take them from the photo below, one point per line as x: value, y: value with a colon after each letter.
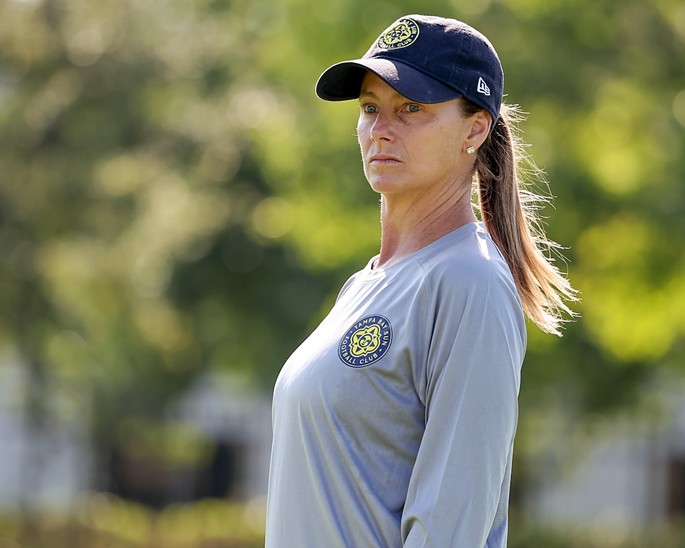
x: 383, y: 159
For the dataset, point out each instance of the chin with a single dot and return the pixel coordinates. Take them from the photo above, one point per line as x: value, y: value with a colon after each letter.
x: 384, y: 183
x: 382, y: 187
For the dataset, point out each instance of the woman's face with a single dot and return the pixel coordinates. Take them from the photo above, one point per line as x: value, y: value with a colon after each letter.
x: 410, y: 147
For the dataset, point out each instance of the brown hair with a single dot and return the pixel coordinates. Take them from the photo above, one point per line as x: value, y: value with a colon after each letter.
x: 510, y: 214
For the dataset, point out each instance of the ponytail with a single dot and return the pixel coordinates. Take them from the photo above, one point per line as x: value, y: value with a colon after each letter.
x: 510, y: 215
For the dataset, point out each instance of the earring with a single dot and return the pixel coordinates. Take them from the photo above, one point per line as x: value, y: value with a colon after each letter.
x: 470, y: 150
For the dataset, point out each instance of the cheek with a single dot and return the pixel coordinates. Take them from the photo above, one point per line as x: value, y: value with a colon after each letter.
x: 448, y: 145
x: 361, y: 129
x: 363, y: 137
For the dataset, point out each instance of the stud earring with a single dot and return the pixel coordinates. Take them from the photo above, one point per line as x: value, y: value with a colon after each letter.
x: 470, y: 150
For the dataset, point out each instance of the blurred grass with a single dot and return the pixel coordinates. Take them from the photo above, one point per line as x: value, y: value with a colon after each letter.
x: 105, y: 521
x: 526, y: 534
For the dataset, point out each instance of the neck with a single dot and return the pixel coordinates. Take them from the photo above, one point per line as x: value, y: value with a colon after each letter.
x: 410, y: 225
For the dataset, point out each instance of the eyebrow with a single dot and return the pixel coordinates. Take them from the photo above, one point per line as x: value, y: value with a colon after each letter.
x: 367, y: 94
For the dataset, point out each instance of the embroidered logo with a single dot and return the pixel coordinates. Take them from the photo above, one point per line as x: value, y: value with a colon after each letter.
x: 366, y: 341
x: 402, y: 34
x: 483, y: 87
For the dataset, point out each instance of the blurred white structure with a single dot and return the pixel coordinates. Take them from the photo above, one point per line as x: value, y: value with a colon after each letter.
x: 45, y: 468
x: 50, y: 466
x: 628, y: 473
x: 229, y: 410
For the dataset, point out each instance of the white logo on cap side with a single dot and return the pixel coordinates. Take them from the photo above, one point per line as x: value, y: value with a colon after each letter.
x: 483, y: 87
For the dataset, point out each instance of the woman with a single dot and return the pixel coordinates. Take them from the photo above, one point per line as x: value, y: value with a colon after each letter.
x: 394, y: 421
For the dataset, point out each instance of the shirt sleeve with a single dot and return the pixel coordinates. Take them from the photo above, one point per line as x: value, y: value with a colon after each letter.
x: 459, y: 487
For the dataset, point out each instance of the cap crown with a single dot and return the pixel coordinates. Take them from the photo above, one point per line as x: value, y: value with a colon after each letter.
x: 448, y: 51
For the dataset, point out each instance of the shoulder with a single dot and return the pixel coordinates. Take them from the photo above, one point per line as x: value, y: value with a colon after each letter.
x: 473, y: 295
x: 467, y: 260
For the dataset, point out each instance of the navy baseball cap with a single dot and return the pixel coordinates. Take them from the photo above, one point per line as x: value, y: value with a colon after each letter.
x: 428, y: 60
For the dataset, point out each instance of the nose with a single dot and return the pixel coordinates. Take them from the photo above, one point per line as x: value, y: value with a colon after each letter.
x: 382, y: 128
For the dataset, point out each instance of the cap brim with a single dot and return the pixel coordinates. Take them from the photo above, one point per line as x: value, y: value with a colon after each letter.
x: 343, y: 81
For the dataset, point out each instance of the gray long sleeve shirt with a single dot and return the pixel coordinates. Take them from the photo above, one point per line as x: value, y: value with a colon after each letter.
x: 394, y: 421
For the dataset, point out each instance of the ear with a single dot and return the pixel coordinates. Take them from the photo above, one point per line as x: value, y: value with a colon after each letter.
x: 480, y: 124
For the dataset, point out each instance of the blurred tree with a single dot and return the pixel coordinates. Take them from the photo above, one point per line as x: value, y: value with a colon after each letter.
x: 132, y: 208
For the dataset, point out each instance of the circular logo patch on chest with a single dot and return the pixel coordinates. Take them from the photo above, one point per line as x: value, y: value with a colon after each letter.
x: 400, y: 35
x: 366, y: 341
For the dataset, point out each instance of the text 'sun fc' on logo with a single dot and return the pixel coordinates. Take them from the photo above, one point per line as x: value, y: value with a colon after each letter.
x: 366, y: 341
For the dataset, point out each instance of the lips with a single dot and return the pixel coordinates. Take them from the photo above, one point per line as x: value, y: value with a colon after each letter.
x: 383, y: 159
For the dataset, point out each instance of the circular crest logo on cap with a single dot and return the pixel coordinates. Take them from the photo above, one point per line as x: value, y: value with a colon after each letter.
x: 366, y: 341
x: 401, y: 34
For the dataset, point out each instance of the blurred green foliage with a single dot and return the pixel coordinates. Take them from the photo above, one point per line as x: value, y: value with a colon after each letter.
x: 175, y: 200
x: 102, y: 520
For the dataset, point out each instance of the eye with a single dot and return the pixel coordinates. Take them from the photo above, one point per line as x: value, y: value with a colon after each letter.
x: 413, y: 107
x: 369, y: 108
